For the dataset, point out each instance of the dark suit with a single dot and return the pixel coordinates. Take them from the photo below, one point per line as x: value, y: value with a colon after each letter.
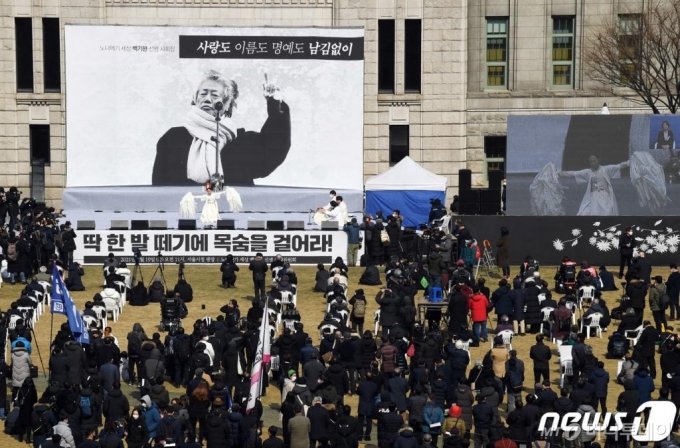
x: 251, y: 155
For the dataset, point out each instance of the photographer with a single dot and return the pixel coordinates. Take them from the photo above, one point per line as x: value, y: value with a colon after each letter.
x: 73, y: 282
x: 13, y: 196
x: 68, y: 244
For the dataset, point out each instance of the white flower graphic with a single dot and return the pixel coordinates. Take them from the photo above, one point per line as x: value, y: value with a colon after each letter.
x: 661, y: 237
x: 603, y: 246
x: 592, y: 240
x: 650, y: 251
x: 574, y: 243
x: 661, y: 248
x: 672, y: 249
x: 576, y: 232
x: 654, y: 232
x: 614, y: 243
x: 618, y: 233
x: 658, y: 222
x: 643, y: 247
x: 558, y: 244
x: 637, y: 228
x: 650, y: 240
x: 596, y: 223
x: 609, y: 236
x: 673, y: 240
x: 669, y: 230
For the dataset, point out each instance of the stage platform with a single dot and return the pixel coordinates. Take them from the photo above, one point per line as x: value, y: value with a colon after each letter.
x: 103, y: 205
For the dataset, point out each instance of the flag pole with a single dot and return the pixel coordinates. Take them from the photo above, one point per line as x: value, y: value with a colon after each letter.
x: 51, y: 329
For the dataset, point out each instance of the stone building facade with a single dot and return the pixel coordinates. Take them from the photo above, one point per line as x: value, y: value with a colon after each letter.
x: 457, y: 69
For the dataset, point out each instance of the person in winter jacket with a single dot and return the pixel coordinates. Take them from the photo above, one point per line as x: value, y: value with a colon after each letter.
x: 433, y: 419
x: 21, y: 367
x: 64, y: 431
x: 636, y: 290
x: 656, y: 291
x: 502, y: 300
x: 26, y: 398
x: 136, y: 432
x: 518, y: 302
x: 217, y: 430
x: 229, y: 269
x: 484, y: 416
x: 541, y: 355
x: 628, y: 369
x: 389, y: 424
x: 156, y: 291
x: 388, y: 354
x: 151, y: 415
x: 405, y: 439
x: 644, y: 385
x: 478, y: 305
x: 116, y: 405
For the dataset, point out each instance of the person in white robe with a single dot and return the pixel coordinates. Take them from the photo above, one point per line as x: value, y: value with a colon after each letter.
x: 343, y: 209
x: 210, y: 214
x: 335, y: 213
x: 599, y: 198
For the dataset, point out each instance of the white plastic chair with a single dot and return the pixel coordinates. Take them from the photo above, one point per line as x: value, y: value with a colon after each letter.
x: 345, y: 316
x: 121, y: 287
x: 48, y: 291
x: 565, y: 352
x: 333, y: 329
x: 207, y: 320
x: 566, y: 369
x: 275, y: 272
x: 547, y: 311
x: 110, y: 293
x: 273, y: 314
x: 571, y: 307
x: 287, y: 297
x: 112, y: 307
x: 127, y: 275
x: 541, y: 298
x: 100, y: 311
x: 633, y: 335
x: 507, y: 336
x: 594, y: 324
x: 89, y: 320
x: 376, y: 319
x: 586, y: 293
x: 289, y: 324
x: 13, y: 319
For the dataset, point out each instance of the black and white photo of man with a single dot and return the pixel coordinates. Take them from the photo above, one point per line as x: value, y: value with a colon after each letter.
x: 185, y: 155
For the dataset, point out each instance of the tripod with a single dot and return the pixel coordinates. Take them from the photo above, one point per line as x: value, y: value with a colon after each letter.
x: 180, y: 272
x: 137, y: 270
x: 35, y: 342
x: 160, y: 268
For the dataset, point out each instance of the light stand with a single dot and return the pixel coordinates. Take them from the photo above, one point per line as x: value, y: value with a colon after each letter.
x: 137, y: 270
x: 160, y: 268
x: 217, y: 180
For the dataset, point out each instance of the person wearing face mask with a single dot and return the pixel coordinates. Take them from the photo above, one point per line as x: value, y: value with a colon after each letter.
x: 136, y: 433
x: 626, y: 249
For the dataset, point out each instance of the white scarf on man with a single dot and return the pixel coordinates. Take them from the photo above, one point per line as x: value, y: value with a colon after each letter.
x: 201, y: 162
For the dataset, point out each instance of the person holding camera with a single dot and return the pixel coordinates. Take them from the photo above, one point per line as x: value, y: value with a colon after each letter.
x: 353, y: 241
x: 68, y: 244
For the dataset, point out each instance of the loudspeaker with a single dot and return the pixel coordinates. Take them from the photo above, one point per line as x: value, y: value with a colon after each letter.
x: 495, y: 179
x: 490, y: 208
x: 469, y: 196
x: 464, y: 180
x: 85, y: 225
x: 186, y: 224
x: 119, y: 224
x: 330, y: 225
x: 139, y: 224
x: 295, y: 225
x: 157, y: 224
x: 468, y: 208
x: 256, y: 225
x: 490, y: 196
x: 274, y: 225
x: 226, y: 224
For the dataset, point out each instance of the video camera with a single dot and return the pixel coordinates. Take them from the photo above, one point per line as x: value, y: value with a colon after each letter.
x: 137, y: 254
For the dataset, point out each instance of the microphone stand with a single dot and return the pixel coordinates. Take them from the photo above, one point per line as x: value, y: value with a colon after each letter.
x: 215, y: 180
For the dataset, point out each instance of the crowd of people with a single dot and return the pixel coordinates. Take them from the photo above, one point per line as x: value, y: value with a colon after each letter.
x: 415, y: 380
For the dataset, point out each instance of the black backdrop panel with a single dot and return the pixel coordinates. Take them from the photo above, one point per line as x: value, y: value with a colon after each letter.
x: 595, y: 239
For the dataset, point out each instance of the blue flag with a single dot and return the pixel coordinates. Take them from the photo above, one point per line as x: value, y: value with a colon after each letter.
x: 63, y: 304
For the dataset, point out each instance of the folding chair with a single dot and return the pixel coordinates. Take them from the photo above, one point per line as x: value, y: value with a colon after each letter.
x: 633, y: 335
x: 547, y: 312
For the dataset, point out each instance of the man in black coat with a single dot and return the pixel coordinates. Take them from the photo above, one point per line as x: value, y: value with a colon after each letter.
x: 319, y: 420
x: 245, y: 155
x: 626, y: 248
x: 367, y: 391
x: 646, y: 346
x: 259, y: 268
x: 273, y: 441
x: 607, y: 279
x: 644, y: 268
x: 673, y: 291
x: 541, y: 355
x: 389, y: 424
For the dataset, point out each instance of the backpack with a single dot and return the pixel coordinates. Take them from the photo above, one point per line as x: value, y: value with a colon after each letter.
x: 182, y: 349
x: 618, y: 349
x: 359, y: 308
x: 664, y: 300
x: 514, y: 380
x: 42, y: 426
x: 134, y: 345
x: 12, y: 251
x: 59, y: 241
x: 85, y: 406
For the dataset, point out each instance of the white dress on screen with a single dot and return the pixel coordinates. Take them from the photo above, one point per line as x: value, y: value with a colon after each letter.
x: 599, y: 198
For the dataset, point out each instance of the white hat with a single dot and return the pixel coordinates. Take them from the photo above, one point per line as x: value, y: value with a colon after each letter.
x: 459, y: 344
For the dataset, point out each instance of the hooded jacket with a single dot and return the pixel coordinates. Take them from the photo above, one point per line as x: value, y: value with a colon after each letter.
x: 502, y: 301
x: 75, y: 360
x: 156, y: 293
x: 644, y: 384
x: 116, y: 406
x: 154, y: 367
x: 151, y: 416
x: 217, y: 432
x: 21, y: 366
x: 637, y: 291
x: 405, y: 439
x: 478, y: 305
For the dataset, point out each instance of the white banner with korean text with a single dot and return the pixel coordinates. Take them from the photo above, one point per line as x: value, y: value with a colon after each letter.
x: 207, y: 247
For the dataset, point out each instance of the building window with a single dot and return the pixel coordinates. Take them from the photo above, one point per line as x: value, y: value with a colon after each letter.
x: 494, y: 153
x: 51, y: 54
x: 24, y: 53
x: 40, y: 142
x: 398, y: 143
x: 629, y: 45
x: 412, y: 56
x: 386, y: 56
x: 497, y: 52
x: 563, y: 51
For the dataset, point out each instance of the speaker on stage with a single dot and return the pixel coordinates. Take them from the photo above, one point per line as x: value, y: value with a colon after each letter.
x: 295, y: 225
x: 158, y: 224
x: 274, y: 225
x: 495, y: 179
x: 226, y: 224
x: 330, y: 225
x: 186, y: 224
x: 256, y: 225
x: 85, y: 225
x: 469, y: 201
x: 119, y: 224
x: 490, y: 208
x: 464, y: 180
x: 490, y: 196
x: 139, y: 224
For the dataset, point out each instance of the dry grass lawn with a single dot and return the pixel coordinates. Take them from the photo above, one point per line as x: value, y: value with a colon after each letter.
x: 207, y: 291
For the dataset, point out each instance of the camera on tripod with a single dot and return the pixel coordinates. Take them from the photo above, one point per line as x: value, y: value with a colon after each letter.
x: 137, y: 254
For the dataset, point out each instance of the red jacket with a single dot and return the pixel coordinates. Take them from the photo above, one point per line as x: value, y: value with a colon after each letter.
x: 478, y: 304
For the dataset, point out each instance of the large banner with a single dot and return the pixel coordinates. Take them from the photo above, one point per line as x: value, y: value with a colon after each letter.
x: 142, y: 105
x: 593, y: 165
x: 204, y: 247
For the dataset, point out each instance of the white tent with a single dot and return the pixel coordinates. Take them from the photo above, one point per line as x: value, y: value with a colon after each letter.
x: 408, y: 187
